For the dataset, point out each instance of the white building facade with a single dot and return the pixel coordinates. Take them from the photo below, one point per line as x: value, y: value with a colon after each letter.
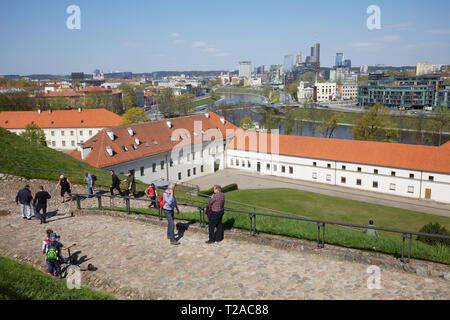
x: 325, y: 91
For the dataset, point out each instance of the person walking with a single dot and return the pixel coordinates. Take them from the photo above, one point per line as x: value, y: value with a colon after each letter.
x: 153, y: 195
x: 66, y: 187
x: 115, y: 183
x: 40, y: 203
x: 90, y: 183
x: 24, y: 198
x: 131, y: 184
x: 216, y: 206
x: 169, y: 204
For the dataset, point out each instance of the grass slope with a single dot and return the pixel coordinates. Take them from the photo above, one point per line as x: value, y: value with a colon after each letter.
x: 23, y: 282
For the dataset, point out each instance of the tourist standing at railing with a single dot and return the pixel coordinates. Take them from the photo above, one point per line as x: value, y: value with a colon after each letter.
x: 215, y: 214
x: 168, y: 205
x: 24, y: 197
x: 115, y: 183
x: 153, y: 195
x: 90, y: 183
x: 131, y: 184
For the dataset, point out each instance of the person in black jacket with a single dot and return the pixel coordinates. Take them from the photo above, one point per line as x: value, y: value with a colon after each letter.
x: 115, y: 183
x: 41, y: 199
x: 66, y: 186
x: 24, y: 197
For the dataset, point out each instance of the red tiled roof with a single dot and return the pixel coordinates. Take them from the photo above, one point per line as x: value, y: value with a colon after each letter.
x: 87, y: 118
x: 147, y: 132
x: 417, y: 157
x: 150, y: 94
x: 95, y: 89
x: 62, y: 94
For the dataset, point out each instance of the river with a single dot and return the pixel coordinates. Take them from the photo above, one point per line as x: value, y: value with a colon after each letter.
x: 304, y: 128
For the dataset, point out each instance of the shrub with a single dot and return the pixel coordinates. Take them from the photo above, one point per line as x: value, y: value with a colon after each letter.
x: 434, y: 228
x: 228, y: 188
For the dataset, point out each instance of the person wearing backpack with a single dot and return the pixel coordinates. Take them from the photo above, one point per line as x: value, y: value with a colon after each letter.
x: 53, y: 255
x: 90, y: 179
x: 168, y: 203
x: 66, y: 186
x: 152, y: 194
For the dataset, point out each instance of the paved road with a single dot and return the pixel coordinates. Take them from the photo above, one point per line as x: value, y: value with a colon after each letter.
x: 247, y: 180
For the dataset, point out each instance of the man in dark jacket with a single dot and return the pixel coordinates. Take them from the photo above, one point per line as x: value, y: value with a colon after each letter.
x: 115, y: 183
x: 24, y: 197
x: 40, y: 203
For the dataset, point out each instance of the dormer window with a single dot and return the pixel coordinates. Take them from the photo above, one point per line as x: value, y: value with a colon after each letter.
x: 125, y: 149
x: 138, y: 142
x: 133, y: 146
x: 169, y: 124
x: 110, y: 151
x: 130, y: 132
x: 203, y: 132
x: 207, y: 115
x: 222, y: 119
x: 110, y: 135
x: 155, y: 142
x: 195, y: 134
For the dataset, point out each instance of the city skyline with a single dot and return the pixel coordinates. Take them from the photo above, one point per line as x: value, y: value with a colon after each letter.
x: 152, y: 36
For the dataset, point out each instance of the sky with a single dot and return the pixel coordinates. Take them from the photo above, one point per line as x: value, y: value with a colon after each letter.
x: 146, y: 35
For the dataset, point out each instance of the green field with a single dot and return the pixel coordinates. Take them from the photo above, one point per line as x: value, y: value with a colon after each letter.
x: 23, y: 282
x: 240, y: 90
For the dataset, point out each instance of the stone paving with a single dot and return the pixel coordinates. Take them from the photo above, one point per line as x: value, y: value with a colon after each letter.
x: 135, y: 261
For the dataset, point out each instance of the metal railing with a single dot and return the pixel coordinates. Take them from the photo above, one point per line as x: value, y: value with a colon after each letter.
x: 252, y: 220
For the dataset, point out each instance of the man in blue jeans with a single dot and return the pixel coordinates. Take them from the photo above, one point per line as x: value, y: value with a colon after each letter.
x: 170, y: 203
x: 24, y: 197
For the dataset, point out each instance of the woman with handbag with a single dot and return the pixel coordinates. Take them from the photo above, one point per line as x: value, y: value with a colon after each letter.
x: 215, y: 211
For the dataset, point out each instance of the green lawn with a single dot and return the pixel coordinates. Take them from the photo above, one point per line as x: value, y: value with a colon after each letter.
x: 239, y: 90
x: 23, y: 282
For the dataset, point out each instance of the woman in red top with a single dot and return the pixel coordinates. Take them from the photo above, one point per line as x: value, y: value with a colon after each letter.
x: 152, y: 194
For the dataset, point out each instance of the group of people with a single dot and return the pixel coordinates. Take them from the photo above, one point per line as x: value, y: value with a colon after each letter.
x: 25, y: 199
x: 214, y: 211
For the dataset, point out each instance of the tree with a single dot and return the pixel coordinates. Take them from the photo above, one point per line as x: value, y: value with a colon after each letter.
x: 375, y: 125
x: 134, y: 115
x: 34, y: 134
x: 308, y: 77
x: 288, y: 122
x: 440, y: 120
x: 247, y: 123
x: 330, y: 124
x: 270, y: 122
x: 166, y: 101
x: 129, y: 98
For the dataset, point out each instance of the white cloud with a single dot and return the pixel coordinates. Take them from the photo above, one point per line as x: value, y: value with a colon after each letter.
x: 439, y: 31
x: 222, y: 54
x: 209, y: 49
x: 198, y: 44
x: 427, y: 45
x: 174, y: 35
x: 404, y: 26
x: 179, y: 41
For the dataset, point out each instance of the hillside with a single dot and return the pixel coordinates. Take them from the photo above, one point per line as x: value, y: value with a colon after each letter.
x: 16, y: 152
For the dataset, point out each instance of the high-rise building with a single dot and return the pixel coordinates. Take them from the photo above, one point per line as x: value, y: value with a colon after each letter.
x: 245, y: 69
x: 315, y: 53
x: 339, y: 59
x: 288, y: 63
x: 424, y: 68
x: 348, y: 63
x: 298, y: 59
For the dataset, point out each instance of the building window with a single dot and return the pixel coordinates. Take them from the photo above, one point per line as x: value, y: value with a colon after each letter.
x: 411, y: 175
x: 231, y: 162
x: 375, y: 184
x: 329, y: 165
x: 343, y: 180
x: 62, y: 133
x: 81, y: 133
x: 315, y: 164
x: 375, y: 171
x: 344, y: 168
x: 393, y: 173
x: 249, y: 164
x: 53, y: 143
x: 243, y: 163
x: 179, y: 175
x: 162, y: 165
x: 283, y: 169
x: 358, y: 182
x: 314, y: 175
x: 53, y: 133
x: 189, y: 172
x: 275, y: 167
x: 193, y: 156
x: 63, y: 143
x: 410, y: 189
x: 142, y: 171
x: 392, y: 187
x: 268, y: 167
x: 201, y: 168
x: 194, y: 171
x: 154, y: 167
x: 72, y: 143
x: 237, y: 162
x: 359, y: 169
x: 431, y: 178
x: 328, y: 177
x: 71, y: 133
x: 291, y: 170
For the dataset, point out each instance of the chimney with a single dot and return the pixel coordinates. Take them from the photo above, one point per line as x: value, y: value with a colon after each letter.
x: 79, y: 109
x: 110, y: 134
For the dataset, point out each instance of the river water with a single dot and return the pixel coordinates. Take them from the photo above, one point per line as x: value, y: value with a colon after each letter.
x: 303, y: 128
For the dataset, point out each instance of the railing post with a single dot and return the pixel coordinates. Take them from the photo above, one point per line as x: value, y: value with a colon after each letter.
x: 254, y: 224
x: 99, y: 199
x: 406, y: 236
x: 78, y: 202
x: 251, y: 224
x: 127, y: 203
x: 320, y: 243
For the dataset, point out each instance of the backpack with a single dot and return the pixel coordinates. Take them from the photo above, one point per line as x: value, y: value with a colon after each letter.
x: 161, y: 201
x: 52, y: 251
x: 94, y: 178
